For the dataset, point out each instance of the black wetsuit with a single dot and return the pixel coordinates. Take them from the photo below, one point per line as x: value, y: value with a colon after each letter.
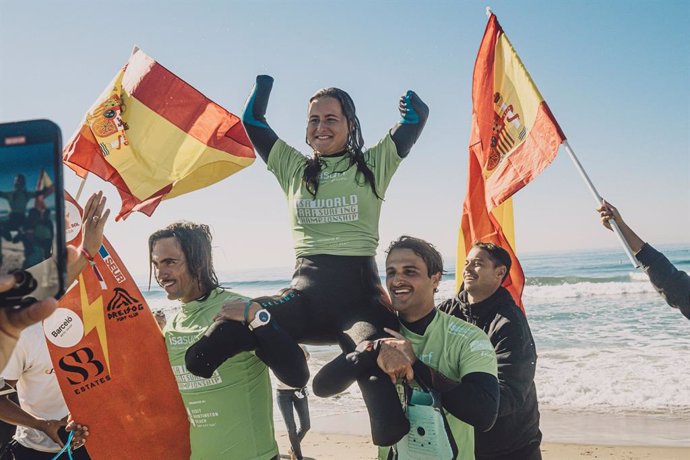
x: 333, y: 299
x: 516, y: 432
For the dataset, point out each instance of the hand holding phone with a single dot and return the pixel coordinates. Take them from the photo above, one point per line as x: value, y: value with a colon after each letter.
x: 12, y: 320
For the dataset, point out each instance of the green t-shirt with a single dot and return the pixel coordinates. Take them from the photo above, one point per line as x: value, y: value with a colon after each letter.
x: 343, y: 219
x: 454, y: 348
x: 230, y: 414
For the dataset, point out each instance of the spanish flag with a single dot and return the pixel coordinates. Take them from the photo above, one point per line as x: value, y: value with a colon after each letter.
x: 155, y: 137
x: 46, y: 187
x: 514, y: 137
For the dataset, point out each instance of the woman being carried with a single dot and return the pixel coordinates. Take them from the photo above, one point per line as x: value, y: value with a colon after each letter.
x: 335, y: 200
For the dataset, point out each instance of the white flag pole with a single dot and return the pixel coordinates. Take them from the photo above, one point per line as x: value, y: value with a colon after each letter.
x: 81, y: 187
x: 599, y: 200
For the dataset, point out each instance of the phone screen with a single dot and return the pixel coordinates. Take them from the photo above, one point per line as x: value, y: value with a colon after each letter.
x: 31, y: 208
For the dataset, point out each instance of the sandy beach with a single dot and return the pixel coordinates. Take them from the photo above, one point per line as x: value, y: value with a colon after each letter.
x: 566, y: 437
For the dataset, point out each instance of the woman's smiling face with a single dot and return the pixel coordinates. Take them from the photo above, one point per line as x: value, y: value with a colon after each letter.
x: 327, y: 126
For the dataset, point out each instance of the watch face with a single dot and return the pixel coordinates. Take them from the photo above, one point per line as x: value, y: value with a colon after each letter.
x: 264, y: 316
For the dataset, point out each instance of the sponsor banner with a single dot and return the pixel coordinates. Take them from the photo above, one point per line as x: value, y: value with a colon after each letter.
x: 111, y: 363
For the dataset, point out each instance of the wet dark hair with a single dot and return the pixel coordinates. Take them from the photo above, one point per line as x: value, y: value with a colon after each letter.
x: 497, y: 254
x: 427, y: 251
x: 353, y: 148
x: 195, y: 241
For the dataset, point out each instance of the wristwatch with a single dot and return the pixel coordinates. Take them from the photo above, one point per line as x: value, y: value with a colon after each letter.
x: 261, y: 318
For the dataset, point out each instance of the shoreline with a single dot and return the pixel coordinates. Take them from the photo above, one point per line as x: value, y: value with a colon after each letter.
x: 330, y: 446
x: 557, y: 428
x: 567, y: 436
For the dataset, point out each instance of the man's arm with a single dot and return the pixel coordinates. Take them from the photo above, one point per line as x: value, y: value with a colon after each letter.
x: 671, y: 283
x: 474, y: 399
x: 13, y: 414
x: 516, y: 358
x: 12, y: 321
x: 93, y: 222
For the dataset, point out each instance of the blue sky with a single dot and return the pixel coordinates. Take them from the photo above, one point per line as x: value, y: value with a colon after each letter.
x: 616, y: 74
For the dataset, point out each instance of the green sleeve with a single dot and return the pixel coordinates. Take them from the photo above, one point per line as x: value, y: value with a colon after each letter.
x: 286, y: 163
x: 477, y: 354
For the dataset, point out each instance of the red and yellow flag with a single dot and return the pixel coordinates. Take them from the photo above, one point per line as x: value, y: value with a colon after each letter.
x: 155, y: 137
x: 514, y: 137
x: 46, y: 187
x: 111, y: 362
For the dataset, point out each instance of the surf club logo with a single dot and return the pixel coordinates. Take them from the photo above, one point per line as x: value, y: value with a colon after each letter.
x: 507, y: 132
x: 111, y: 264
x: 83, y: 370
x: 122, y: 305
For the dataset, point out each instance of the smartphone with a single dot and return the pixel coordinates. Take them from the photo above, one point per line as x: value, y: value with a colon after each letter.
x: 32, y: 214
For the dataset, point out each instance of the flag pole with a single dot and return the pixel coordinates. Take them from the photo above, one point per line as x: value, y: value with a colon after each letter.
x: 81, y: 187
x: 599, y: 200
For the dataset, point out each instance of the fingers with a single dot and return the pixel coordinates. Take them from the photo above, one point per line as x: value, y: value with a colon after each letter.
x: 393, y: 376
x: 7, y: 282
x: 409, y: 375
x: 393, y: 362
x: 606, y: 213
x: 94, y: 208
x: 95, y: 217
x: 81, y: 432
x: 21, y: 319
x: 90, y: 203
x: 104, y: 218
x: 412, y: 103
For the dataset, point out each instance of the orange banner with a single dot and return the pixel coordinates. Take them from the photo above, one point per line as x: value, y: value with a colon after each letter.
x: 111, y: 363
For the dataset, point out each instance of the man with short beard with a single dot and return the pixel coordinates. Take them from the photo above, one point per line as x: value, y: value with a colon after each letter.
x: 441, y: 359
x: 483, y: 302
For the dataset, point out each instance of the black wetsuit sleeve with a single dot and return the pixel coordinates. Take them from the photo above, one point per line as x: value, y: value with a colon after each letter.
x: 414, y: 113
x: 254, y: 117
x: 671, y: 283
x: 516, y: 357
x: 474, y: 400
x: 224, y: 339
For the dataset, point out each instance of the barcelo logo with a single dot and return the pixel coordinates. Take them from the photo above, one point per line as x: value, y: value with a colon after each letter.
x: 81, y: 365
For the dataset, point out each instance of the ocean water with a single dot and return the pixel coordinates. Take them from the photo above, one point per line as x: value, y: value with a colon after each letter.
x: 607, y: 342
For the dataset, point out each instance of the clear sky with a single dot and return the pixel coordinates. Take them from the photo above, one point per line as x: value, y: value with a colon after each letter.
x: 616, y: 74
